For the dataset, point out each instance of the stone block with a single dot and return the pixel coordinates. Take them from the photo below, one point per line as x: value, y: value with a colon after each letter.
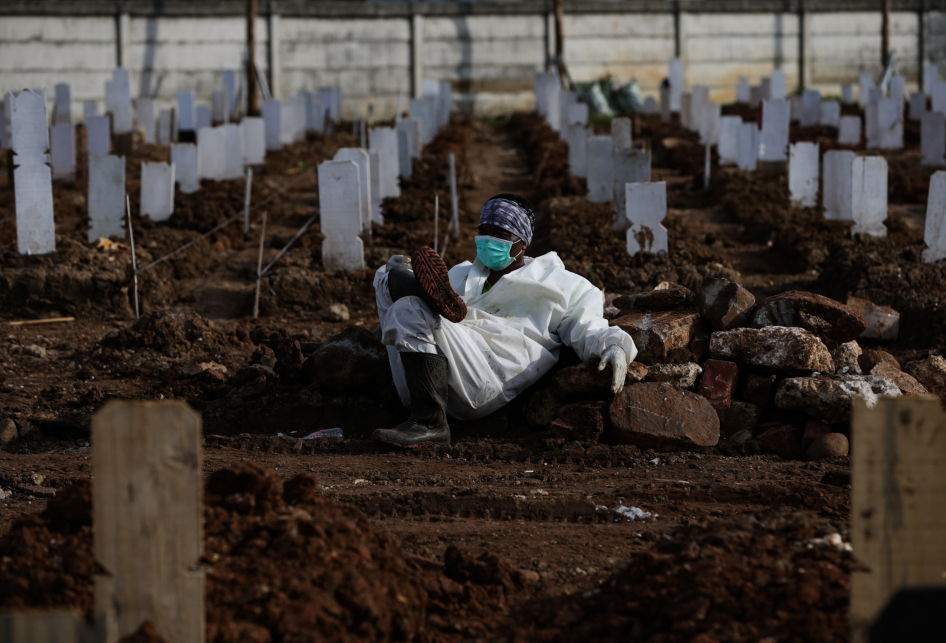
x: 883, y: 322
x: 828, y: 319
x: 682, y: 376
x: 757, y: 389
x: 667, y: 298
x: 718, y: 385
x: 931, y: 373
x: 830, y: 399
x: 907, y: 384
x: 655, y: 415
x: 773, y: 349
x: 581, y: 422
x: 870, y: 358
x: 780, y: 440
x: 658, y: 334
x: 725, y: 304
x: 585, y: 381
x: 845, y: 357
x: 832, y: 445
x: 742, y: 417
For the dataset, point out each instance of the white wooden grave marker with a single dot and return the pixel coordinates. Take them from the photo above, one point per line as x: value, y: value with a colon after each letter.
x: 210, y: 153
x: 446, y: 102
x: 872, y: 125
x: 930, y: 76
x: 311, y: 112
x: 218, y: 102
x: 432, y: 107
x: 686, y: 101
x: 33, y: 187
x: 412, y: 127
x: 742, y: 90
x: 147, y: 519
x: 699, y: 98
x: 849, y: 130
x: 917, y: 105
x: 203, y: 117
x: 795, y: 106
x: 232, y: 152
x: 145, y: 116
x: 621, y: 133
x: 869, y: 201
x: 89, y: 108
x: 340, y: 210
x: 362, y: 159
x: 97, y: 139
x: 601, y: 167
x: 403, y: 153
x: 646, y: 209
x: 553, y: 104
x: 766, y: 89
x: 4, y: 125
x: 830, y: 113
x: 568, y: 98
x: 898, y: 91
x: 253, y: 130
x: 708, y: 127
x: 651, y: 106
x: 384, y: 140
x: 890, y: 123
x: 677, y: 81
x: 374, y: 161
x: 538, y: 86
x: 777, y: 84
x: 119, y: 102
x: 157, y: 191
x: 578, y: 149
x: 810, y: 107
x: 62, y: 151
x: 755, y: 96
x: 186, y: 166
x: 938, y: 96
x: 773, y: 140
x: 664, y: 103
x: 728, y: 145
x: 62, y: 104
x: 803, y: 175
x: 837, y: 193
x: 272, y: 117
x: 630, y: 166
x: 106, y: 197
x: 847, y: 94
x: 186, y: 116
x: 933, y: 139
x: 866, y: 84
x: 229, y: 89
x: 748, y: 151
x: 165, y: 127
x: 419, y: 109
x: 935, y: 233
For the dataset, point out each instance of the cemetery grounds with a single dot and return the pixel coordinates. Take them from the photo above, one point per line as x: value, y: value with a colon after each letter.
x: 512, y: 533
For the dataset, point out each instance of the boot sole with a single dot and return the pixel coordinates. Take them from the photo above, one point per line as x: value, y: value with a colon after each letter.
x: 411, y: 446
x: 431, y: 273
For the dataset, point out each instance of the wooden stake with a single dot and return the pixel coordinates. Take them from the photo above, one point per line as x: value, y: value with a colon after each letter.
x: 134, y: 262
x: 246, y: 200
x: 898, y: 526
x: 34, y: 322
x: 454, y: 203
x: 706, y: 168
x: 147, y: 519
x: 436, y: 218
x: 259, y: 266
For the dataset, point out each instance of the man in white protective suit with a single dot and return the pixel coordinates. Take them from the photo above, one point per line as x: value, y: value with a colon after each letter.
x: 465, y: 343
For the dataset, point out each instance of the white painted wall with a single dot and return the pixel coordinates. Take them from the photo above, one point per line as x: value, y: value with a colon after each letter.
x: 489, y: 59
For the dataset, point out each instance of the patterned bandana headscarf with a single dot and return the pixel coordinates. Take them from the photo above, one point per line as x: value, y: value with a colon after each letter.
x: 510, y: 212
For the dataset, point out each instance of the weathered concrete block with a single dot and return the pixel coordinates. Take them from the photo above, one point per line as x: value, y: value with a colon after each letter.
x: 663, y: 336
x: 725, y: 304
x: 718, y: 385
x: 655, y: 415
x: 931, y: 373
x: 829, y: 399
x: 774, y: 349
x: 682, y: 376
x: 824, y: 317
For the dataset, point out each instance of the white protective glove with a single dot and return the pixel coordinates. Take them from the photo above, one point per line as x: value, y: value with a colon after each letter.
x: 617, y: 359
x: 396, y: 260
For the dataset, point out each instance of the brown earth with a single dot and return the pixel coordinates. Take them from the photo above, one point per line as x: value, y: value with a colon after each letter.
x: 726, y: 530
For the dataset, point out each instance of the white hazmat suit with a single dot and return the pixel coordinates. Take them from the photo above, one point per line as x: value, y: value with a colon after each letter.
x: 511, y: 336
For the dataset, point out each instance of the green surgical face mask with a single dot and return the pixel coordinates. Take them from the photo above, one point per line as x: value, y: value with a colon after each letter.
x: 494, y: 252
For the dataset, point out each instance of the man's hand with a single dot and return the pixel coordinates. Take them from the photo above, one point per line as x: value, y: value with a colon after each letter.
x: 617, y: 359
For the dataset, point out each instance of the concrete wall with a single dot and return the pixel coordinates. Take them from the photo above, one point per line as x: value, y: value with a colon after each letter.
x: 489, y: 51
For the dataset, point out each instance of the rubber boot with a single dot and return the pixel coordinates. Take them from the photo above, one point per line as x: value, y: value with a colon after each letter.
x: 427, y: 382
x: 403, y: 283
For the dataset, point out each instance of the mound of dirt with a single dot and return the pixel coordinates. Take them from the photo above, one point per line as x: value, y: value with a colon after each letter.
x: 743, y: 579
x: 172, y: 335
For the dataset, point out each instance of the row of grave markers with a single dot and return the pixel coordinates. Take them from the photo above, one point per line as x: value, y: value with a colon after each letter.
x: 856, y: 187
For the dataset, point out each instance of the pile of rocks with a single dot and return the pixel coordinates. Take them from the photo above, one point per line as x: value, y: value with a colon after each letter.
x: 717, y: 370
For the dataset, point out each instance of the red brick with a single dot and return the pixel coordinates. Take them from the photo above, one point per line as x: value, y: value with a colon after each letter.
x: 718, y: 385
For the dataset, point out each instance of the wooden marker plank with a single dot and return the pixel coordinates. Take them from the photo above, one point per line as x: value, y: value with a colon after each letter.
x: 35, y: 626
x: 147, y: 518
x: 898, y: 522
